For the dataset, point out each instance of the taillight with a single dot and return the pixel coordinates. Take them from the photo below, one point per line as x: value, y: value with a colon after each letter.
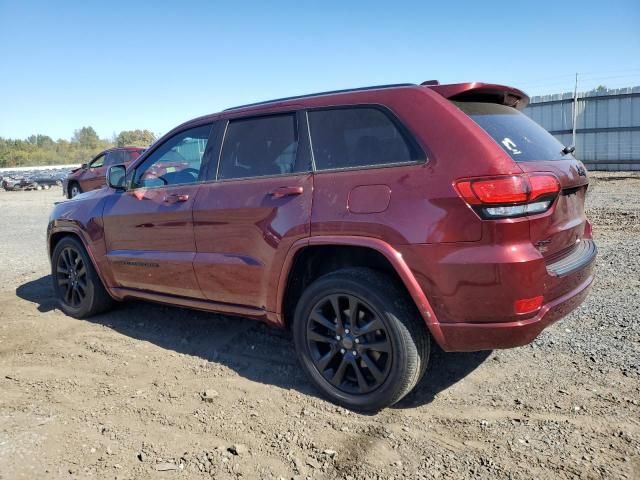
x: 509, y: 195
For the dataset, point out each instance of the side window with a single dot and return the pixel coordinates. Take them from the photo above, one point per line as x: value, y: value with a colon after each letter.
x: 176, y: 161
x: 356, y: 137
x: 261, y: 146
x: 98, y: 162
x: 114, y: 158
x: 131, y: 155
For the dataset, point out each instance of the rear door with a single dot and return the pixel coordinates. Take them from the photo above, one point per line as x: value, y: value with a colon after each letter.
x: 536, y: 150
x: 256, y: 206
x: 149, y: 228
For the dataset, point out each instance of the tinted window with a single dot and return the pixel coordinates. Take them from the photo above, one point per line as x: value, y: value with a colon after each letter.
x: 522, y: 138
x: 259, y: 146
x: 131, y: 155
x: 114, y: 158
x: 119, y: 157
x: 354, y: 137
x: 176, y: 161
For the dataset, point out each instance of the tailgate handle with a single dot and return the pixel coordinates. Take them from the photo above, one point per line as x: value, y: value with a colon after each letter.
x: 176, y: 198
x: 286, y: 191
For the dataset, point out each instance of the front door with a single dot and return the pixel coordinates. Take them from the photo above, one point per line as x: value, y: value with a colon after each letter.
x: 149, y: 228
x: 246, y: 221
x: 94, y: 176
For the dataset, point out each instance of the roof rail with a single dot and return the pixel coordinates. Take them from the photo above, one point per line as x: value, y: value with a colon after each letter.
x: 332, y: 92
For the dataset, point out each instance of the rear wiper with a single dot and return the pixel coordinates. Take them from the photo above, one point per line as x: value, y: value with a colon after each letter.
x: 569, y: 149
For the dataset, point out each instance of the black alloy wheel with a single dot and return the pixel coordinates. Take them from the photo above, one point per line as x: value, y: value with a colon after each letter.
x: 72, y: 276
x: 79, y: 289
x: 349, y: 344
x: 360, y: 338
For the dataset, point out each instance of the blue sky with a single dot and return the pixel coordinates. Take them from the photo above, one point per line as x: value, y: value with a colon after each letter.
x: 119, y: 65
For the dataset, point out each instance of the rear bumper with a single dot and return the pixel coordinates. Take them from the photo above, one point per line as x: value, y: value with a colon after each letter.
x: 469, y: 337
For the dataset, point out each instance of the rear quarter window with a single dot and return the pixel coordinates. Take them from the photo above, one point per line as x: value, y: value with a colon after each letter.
x: 522, y: 138
x: 358, y: 137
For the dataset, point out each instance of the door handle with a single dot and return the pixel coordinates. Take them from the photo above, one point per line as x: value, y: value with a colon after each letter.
x: 286, y: 191
x: 176, y: 198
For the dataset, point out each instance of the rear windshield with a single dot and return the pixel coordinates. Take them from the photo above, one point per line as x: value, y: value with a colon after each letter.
x: 522, y: 138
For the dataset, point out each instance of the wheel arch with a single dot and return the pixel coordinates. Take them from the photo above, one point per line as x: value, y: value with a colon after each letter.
x: 344, y: 251
x: 57, y: 234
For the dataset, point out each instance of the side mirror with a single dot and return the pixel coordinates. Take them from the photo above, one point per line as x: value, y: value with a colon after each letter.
x: 115, y: 177
x: 84, y: 166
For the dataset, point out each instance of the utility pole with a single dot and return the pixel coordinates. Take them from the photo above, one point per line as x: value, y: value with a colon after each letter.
x: 575, y: 111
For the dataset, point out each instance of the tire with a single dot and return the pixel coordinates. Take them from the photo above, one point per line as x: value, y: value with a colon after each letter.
x: 388, y: 342
x: 86, y: 297
x: 74, y: 190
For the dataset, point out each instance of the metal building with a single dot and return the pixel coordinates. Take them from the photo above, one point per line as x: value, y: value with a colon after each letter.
x: 607, y: 126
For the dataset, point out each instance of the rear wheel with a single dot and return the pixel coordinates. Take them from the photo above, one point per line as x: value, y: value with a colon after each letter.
x: 360, y: 338
x: 74, y: 190
x: 78, y: 288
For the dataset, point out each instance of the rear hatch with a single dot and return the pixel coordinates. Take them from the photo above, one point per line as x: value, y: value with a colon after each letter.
x: 535, y: 150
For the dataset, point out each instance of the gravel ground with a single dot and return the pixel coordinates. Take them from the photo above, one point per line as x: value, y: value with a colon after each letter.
x: 123, y: 395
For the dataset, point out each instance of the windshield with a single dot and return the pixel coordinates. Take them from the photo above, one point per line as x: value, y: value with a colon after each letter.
x: 522, y: 138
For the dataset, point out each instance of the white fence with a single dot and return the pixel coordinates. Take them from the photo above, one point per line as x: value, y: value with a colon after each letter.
x: 607, y: 126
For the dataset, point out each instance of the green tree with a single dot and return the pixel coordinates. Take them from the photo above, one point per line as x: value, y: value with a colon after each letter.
x: 43, y: 150
x: 40, y: 140
x: 138, y: 138
x: 86, y: 137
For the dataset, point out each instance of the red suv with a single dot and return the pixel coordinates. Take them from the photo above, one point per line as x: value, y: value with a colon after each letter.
x: 92, y: 175
x: 369, y: 221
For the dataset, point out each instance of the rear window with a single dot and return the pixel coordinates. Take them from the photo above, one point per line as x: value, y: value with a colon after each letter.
x: 522, y: 138
x: 131, y: 155
x: 357, y: 137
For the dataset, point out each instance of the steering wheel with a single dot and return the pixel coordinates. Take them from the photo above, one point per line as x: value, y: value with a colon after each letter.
x: 153, y: 179
x: 194, y: 171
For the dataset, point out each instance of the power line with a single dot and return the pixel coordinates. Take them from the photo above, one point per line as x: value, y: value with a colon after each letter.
x: 567, y: 79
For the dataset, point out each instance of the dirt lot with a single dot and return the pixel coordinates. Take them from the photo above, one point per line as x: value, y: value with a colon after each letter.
x: 120, y: 395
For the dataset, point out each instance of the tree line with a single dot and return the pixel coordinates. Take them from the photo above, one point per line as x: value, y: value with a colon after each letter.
x: 39, y: 150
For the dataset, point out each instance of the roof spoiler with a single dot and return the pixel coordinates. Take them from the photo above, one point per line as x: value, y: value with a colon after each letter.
x: 481, y: 92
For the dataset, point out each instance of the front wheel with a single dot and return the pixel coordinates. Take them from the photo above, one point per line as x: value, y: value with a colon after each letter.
x: 74, y: 190
x: 77, y: 286
x: 360, y: 338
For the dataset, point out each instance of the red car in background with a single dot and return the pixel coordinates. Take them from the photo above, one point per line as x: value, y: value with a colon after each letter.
x: 91, y: 176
